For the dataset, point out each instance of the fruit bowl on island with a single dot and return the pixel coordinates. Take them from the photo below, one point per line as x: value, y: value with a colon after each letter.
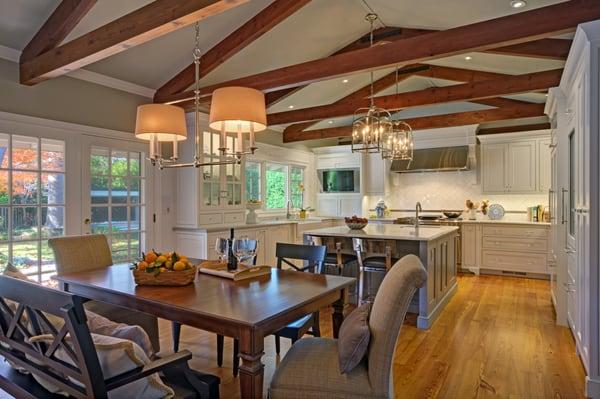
x: 356, y: 223
x: 168, y: 268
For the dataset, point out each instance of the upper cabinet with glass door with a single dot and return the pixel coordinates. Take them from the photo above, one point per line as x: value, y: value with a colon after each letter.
x: 220, y: 185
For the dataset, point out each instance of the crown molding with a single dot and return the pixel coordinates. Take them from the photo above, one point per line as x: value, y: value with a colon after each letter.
x: 13, y: 55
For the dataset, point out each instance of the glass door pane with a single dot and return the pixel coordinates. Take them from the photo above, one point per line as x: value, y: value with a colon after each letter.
x: 117, y: 205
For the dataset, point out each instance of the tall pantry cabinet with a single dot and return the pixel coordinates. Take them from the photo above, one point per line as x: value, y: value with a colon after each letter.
x: 574, y: 108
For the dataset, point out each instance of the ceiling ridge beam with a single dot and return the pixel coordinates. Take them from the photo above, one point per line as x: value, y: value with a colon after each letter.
x: 255, y: 27
x: 57, y: 27
x: 142, y: 25
x: 471, y: 91
x: 430, y: 122
x: 508, y: 30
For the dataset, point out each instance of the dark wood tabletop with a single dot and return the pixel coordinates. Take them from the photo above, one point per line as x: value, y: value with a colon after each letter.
x: 247, y: 310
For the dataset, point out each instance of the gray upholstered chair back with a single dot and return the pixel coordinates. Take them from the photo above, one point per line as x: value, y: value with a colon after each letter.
x: 387, y: 314
x: 81, y: 253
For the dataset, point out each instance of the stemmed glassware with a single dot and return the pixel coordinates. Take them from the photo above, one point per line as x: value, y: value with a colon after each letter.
x: 222, y: 248
x: 244, y: 249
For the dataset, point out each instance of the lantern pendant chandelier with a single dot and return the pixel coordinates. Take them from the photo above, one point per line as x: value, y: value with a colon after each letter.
x: 370, y: 125
x: 398, y: 144
x: 234, y: 110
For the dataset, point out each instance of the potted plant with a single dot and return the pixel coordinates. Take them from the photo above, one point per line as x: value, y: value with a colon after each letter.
x: 303, y: 214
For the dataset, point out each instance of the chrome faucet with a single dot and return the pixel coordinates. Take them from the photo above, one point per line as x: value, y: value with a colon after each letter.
x: 417, y: 210
x: 288, y: 214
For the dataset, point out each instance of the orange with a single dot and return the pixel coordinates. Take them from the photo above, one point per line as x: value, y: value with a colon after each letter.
x: 179, y: 266
x: 142, y: 265
x: 169, y: 264
x: 161, y: 259
x: 150, y: 257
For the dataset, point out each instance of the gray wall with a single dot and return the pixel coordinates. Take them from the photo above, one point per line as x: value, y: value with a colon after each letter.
x: 68, y: 100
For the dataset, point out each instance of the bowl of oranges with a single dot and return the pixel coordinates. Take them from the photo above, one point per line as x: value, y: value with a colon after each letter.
x: 168, y: 268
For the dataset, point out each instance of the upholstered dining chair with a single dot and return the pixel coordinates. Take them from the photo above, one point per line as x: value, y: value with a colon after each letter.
x: 311, y: 368
x: 89, y: 252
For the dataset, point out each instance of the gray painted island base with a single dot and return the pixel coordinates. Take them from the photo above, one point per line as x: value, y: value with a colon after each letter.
x: 434, y: 245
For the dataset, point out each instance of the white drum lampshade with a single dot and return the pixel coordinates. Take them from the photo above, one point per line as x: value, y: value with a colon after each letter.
x: 235, y: 109
x: 162, y: 121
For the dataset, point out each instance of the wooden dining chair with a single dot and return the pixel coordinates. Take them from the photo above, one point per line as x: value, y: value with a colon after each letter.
x: 90, y: 252
x: 28, y: 310
x: 310, y: 369
x: 312, y: 257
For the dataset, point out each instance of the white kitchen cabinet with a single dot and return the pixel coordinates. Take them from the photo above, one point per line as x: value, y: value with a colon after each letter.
x: 515, y: 164
x: 544, y: 165
x: 339, y: 160
x: 374, y: 172
x: 494, y: 168
x: 210, y: 194
x: 521, y: 167
x: 339, y: 204
x: 469, y: 246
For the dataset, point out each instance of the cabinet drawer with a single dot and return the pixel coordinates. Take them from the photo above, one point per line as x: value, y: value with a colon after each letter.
x: 514, y: 261
x: 515, y: 244
x: 515, y: 231
x: 210, y: 218
x: 237, y: 217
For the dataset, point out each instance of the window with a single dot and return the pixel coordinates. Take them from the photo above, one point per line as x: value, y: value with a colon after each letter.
x: 117, y: 200
x: 276, y: 185
x: 253, y: 178
x: 32, y: 202
x: 297, y: 186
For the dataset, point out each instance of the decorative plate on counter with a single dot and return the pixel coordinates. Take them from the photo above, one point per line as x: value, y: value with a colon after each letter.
x: 496, y: 212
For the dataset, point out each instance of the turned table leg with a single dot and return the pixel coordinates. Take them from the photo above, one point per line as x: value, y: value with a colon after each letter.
x: 252, y: 369
x: 339, y: 309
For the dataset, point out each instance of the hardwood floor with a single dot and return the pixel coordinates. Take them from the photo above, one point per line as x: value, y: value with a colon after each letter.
x: 495, y: 339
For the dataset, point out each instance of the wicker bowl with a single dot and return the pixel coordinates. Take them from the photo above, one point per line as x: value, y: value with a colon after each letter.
x: 168, y: 278
x: 356, y: 226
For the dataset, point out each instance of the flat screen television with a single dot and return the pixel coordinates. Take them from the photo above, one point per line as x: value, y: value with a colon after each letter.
x: 339, y: 180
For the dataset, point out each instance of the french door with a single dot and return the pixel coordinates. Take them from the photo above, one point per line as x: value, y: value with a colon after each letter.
x: 118, y: 196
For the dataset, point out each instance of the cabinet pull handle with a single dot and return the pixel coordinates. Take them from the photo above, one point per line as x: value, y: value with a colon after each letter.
x: 562, y: 208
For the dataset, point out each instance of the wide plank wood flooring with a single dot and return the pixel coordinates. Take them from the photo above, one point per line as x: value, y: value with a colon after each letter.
x: 495, y: 339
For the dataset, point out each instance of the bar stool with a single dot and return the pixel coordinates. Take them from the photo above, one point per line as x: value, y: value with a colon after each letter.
x: 374, y: 260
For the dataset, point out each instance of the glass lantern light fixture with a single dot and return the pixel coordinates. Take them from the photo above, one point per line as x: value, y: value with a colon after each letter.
x: 236, y: 110
x: 398, y: 143
x: 370, y: 125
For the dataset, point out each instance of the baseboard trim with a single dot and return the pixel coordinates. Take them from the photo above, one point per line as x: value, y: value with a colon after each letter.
x: 425, y: 322
x: 592, y: 387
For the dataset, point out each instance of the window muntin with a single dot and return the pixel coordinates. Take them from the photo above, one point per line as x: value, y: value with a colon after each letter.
x: 32, y: 202
x: 253, y: 181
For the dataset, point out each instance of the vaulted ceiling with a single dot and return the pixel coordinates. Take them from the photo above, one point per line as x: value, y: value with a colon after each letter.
x: 314, y: 30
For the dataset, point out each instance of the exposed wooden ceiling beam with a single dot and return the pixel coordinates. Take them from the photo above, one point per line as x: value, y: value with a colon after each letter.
x: 430, y: 122
x: 511, y: 129
x: 509, y: 30
x: 431, y: 71
x: 552, y: 49
x: 461, y: 92
x: 149, y: 22
x: 57, y: 27
x: 257, y: 26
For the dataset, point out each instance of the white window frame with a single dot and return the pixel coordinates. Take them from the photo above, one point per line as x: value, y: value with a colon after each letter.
x: 263, y: 182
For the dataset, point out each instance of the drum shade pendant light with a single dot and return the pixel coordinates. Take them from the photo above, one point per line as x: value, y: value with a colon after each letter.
x: 233, y: 110
x: 370, y: 125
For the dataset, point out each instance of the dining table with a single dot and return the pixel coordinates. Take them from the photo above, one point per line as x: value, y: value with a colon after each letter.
x: 248, y: 310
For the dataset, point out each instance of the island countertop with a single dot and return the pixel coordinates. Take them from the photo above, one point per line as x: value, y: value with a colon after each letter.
x: 387, y: 232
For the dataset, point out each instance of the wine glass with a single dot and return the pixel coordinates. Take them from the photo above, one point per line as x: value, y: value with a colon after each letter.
x: 244, y: 249
x: 222, y: 248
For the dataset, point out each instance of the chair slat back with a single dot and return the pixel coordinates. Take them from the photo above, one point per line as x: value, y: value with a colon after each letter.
x: 25, y: 310
x: 313, y: 255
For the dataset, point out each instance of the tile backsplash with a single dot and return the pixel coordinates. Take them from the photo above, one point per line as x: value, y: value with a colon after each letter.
x: 446, y: 190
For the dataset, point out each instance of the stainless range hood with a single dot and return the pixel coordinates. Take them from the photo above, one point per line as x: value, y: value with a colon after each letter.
x: 435, y: 160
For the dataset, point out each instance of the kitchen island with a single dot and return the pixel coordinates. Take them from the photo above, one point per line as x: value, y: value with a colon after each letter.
x: 434, y: 245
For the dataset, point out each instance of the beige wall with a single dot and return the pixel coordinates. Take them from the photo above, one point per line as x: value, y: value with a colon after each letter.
x: 68, y: 100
